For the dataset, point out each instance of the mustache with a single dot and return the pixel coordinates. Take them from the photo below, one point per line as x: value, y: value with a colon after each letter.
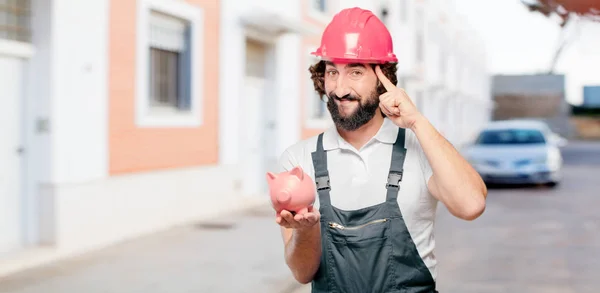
x: 347, y: 97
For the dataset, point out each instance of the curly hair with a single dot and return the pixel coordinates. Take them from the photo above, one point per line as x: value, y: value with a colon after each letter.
x: 317, y: 74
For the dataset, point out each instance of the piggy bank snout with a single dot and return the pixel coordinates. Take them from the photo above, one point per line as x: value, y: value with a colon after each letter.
x: 284, y: 196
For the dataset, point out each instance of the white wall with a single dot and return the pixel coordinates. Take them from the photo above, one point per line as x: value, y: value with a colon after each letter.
x: 36, y: 113
x: 99, y: 213
x: 11, y: 91
x: 79, y: 90
x: 231, y: 44
x: 232, y: 68
x: 288, y: 87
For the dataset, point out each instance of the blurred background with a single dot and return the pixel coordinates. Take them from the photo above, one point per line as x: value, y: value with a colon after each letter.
x: 135, y: 136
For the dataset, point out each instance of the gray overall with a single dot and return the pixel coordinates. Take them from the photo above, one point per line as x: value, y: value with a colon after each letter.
x: 370, y: 249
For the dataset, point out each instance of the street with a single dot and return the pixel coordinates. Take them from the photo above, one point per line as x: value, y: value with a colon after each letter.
x: 530, y: 239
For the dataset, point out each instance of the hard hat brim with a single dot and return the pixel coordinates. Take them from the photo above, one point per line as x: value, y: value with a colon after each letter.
x: 348, y: 59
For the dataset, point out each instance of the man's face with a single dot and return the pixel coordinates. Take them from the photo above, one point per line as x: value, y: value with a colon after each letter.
x: 352, y: 92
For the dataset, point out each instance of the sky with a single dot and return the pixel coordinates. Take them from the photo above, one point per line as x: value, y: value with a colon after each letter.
x: 518, y: 41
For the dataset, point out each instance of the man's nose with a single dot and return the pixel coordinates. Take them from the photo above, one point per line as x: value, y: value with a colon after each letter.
x: 341, y: 87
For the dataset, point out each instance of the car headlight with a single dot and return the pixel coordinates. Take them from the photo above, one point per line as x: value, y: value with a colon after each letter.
x: 554, y: 159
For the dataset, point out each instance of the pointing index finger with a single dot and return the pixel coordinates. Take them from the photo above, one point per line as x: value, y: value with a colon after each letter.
x: 389, y: 86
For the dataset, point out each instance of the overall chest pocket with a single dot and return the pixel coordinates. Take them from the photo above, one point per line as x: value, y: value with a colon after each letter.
x: 360, y: 256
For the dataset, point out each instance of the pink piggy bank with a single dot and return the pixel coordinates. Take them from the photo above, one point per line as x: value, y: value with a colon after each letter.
x: 293, y: 191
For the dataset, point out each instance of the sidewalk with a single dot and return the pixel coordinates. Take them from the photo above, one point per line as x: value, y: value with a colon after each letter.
x: 236, y: 253
x: 302, y: 289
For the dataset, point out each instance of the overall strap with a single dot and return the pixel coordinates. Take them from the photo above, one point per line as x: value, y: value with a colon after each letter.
x: 319, y: 158
x: 396, y: 167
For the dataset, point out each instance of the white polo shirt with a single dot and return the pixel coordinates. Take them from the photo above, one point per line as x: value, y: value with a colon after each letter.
x: 358, y: 179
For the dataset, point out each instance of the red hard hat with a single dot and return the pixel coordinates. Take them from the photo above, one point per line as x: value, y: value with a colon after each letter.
x: 356, y: 35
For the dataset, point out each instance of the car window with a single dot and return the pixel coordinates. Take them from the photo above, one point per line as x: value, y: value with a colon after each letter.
x: 511, y: 136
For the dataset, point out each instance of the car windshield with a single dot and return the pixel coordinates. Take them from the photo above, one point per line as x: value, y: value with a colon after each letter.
x: 511, y: 136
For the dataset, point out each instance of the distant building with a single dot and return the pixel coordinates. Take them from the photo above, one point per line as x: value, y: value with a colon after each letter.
x: 442, y: 65
x: 540, y: 96
x: 591, y: 97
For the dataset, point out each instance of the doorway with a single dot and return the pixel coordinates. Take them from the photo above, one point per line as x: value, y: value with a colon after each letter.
x: 12, y: 73
x: 258, y: 123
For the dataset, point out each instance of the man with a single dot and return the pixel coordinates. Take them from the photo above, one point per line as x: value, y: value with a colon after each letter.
x: 379, y: 173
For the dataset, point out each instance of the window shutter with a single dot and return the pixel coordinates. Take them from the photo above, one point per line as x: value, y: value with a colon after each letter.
x: 185, y: 65
x: 167, y: 32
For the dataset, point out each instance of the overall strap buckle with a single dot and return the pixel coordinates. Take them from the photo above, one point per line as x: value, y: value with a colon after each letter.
x: 394, y: 179
x: 322, y: 182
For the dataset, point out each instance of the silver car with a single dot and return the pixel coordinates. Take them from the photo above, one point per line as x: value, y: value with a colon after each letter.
x: 517, y: 152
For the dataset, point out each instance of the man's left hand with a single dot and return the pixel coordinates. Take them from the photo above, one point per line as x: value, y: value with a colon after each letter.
x: 396, y: 104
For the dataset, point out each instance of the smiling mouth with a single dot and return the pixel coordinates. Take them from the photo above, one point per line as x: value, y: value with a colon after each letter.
x: 345, y: 100
x: 344, y: 103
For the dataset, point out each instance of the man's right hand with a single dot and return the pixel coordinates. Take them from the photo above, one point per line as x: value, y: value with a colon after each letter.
x: 302, y: 241
x: 298, y: 221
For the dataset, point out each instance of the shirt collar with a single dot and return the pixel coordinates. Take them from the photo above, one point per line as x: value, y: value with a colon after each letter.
x: 387, y: 134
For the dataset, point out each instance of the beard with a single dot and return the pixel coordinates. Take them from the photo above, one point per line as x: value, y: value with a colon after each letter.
x: 364, y: 112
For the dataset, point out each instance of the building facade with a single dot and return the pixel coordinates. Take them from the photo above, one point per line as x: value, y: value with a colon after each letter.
x: 442, y: 66
x: 536, y: 96
x: 126, y: 117
x: 591, y: 96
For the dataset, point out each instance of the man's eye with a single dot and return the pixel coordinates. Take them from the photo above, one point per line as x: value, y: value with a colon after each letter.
x: 331, y: 72
x: 356, y: 73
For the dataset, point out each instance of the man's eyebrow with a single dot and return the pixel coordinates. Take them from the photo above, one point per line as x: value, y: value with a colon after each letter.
x: 350, y: 65
x: 356, y: 65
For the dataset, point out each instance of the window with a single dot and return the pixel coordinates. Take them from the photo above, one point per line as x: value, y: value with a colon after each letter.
x: 384, y: 15
x: 419, y: 46
x: 419, y: 18
x: 320, y: 107
x: 403, y: 11
x: 317, y: 105
x: 169, y: 62
x: 402, y: 82
x: 419, y: 38
x: 319, y: 10
x: 511, y: 136
x: 320, y: 5
x: 317, y: 114
x: 420, y: 103
x: 15, y: 20
x: 169, y: 59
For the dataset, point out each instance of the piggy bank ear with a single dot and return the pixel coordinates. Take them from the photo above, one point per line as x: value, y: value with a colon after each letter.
x: 271, y: 176
x: 297, y: 171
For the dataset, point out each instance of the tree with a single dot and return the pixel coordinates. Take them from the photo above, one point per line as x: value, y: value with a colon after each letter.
x: 565, y: 9
x: 568, y: 11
